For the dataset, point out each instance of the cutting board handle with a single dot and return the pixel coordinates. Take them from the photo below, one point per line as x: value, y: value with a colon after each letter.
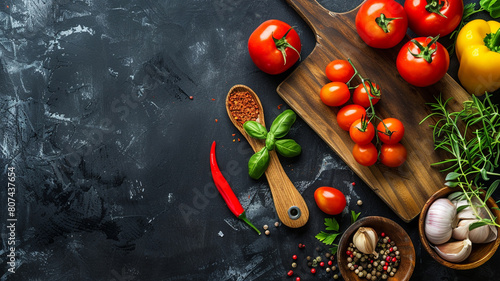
x: 317, y: 16
x: 312, y: 12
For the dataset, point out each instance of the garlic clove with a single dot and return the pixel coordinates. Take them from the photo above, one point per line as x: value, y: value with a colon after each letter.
x: 461, y: 232
x: 365, y: 239
x: 468, y: 213
x: 439, y: 221
x: 483, y: 234
x: 456, y: 251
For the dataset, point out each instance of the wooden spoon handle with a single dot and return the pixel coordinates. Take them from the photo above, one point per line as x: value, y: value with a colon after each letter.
x: 290, y: 205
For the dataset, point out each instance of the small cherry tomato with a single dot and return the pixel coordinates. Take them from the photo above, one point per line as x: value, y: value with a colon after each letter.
x: 362, y: 131
x: 274, y: 46
x: 348, y: 114
x: 365, y: 154
x: 381, y: 23
x: 360, y: 96
x: 423, y: 61
x: 330, y: 200
x: 339, y: 71
x: 433, y: 17
x: 392, y: 132
x: 335, y: 94
x: 393, y: 155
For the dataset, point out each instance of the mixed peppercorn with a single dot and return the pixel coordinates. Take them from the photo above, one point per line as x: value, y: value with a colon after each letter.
x: 374, y: 268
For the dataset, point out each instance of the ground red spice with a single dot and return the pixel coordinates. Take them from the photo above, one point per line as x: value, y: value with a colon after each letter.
x: 243, y: 107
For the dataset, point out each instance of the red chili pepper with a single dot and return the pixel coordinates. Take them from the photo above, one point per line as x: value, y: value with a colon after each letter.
x: 225, y: 190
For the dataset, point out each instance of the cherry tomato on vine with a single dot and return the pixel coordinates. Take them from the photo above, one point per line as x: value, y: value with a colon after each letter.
x: 348, y: 114
x: 335, y: 94
x: 365, y: 154
x: 360, y: 96
x: 274, y: 46
x: 339, y: 71
x: 434, y: 17
x: 381, y: 23
x: 392, y: 132
x: 362, y: 131
x: 393, y: 155
x: 330, y: 200
x: 423, y: 61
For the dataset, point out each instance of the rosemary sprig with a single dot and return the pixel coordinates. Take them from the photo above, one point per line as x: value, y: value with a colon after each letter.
x: 471, y: 137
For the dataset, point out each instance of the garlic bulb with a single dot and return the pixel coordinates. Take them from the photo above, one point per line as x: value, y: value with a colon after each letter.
x: 365, y: 239
x: 456, y: 251
x: 439, y: 221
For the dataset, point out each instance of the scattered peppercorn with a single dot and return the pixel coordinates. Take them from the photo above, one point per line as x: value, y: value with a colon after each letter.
x: 297, y: 279
x: 277, y: 224
x: 265, y: 227
x: 294, y: 257
x: 313, y: 270
x: 359, y: 202
x: 290, y: 273
x: 322, y: 264
x: 294, y: 264
x: 267, y: 232
x: 330, y: 263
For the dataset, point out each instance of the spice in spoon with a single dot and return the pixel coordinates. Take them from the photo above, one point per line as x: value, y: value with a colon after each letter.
x: 225, y: 190
x: 243, y: 107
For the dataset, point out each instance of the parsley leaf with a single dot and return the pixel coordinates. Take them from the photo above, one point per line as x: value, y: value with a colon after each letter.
x: 327, y: 238
x: 331, y: 224
x: 354, y: 216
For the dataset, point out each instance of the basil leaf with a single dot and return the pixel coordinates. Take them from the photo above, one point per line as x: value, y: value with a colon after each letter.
x: 270, y: 141
x: 258, y: 163
x: 255, y: 129
x: 288, y: 148
x: 281, y: 125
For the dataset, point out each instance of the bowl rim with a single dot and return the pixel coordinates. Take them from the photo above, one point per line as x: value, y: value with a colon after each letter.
x: 441, y: 193
x: 349, y: 232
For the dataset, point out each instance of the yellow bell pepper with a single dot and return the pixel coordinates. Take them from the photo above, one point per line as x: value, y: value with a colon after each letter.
x: 478, y: 51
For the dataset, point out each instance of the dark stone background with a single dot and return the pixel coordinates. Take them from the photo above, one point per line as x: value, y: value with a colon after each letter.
x: 111, y: 155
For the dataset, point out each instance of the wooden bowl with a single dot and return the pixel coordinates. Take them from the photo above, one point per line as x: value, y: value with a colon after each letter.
x: 394, y: 231
x: 480, y: 252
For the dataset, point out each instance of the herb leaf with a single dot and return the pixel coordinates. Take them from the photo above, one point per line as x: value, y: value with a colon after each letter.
x: 258, y: 163
x: 492, y: 6
x: 331, y: 224
x: 327, y: 238
x: 281, y: 125
x: 288, y: 148
x: 255, y: 129
x: 354, y: 216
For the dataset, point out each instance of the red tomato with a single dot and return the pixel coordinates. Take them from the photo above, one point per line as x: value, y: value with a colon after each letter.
x: 365, y: 154
x: 348, y: 114
x: 423, y: 61
x: 270, y: 56
x: 360, y: 96
x: 392, y: 132
x: 393, y: 155
x: 335, y: 94
x: 362, y: 131
x: 339, y: 71
x: 435, y: 18
x: 330, y: 200
x: 381, y: 23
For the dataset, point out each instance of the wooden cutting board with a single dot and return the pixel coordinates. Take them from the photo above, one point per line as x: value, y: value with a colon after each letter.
x: 405, y: 189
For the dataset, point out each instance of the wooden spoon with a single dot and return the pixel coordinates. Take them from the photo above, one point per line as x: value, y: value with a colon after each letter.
x: 290, y: 206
